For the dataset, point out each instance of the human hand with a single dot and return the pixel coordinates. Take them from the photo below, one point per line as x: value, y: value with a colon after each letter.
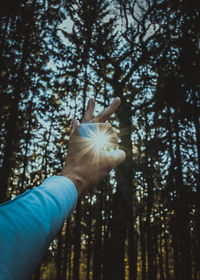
x: 86, y: 164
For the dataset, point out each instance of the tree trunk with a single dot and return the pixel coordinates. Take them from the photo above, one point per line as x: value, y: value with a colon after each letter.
x: 143, y: 248
x: 11, y: 136
x: 77, y: 243
x: 132, y: 245
x: 66, y: 251
x: 151, y: 274
x: 160, y: 257
x: 25, y: 161
x: 89, y: 241
x: 59, y: 256
x: 166, y: 247
x: 122, y: 200
x: 182, y: 212
x: 97, y: 258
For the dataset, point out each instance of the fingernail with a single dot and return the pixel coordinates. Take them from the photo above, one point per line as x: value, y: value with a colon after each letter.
x: 89, y: 102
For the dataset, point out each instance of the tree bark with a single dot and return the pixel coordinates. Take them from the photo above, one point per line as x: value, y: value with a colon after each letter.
x: 11, y: 136
x: 97, y: 250
x: 77, y: 243
x: 122, y: 200
x: 59, y: 254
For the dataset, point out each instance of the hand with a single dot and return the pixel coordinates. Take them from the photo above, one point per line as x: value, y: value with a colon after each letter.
x: 85, y: 166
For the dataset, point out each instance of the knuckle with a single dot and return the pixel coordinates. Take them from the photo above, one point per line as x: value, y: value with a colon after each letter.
x: 77, y: 129
x: 108, y: 125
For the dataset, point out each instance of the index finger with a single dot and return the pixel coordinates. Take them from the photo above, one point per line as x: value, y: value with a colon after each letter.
x: 89, y: 112
x: 105, y: 115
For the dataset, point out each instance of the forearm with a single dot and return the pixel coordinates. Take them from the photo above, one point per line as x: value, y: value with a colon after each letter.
x: 29, y: 223
x: 72, y: 173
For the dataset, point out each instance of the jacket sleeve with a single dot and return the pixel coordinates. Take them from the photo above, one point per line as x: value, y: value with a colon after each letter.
x: 30, y: 222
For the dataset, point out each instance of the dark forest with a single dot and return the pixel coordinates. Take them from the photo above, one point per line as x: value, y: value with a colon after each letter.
x: 143, y: 221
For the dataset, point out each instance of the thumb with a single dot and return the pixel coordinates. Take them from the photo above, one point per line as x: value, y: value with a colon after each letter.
x: 115, y: 157
x: 73, y: 126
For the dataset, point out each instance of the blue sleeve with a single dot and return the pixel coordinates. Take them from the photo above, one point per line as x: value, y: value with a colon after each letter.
x: 30, y: 222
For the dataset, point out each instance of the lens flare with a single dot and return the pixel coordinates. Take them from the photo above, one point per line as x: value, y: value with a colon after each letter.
x: 96, y: 138
x: 99, y: 140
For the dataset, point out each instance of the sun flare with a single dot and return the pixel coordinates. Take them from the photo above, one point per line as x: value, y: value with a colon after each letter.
x: 99, y: 140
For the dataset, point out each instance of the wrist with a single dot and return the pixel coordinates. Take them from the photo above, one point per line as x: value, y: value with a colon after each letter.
x: 73, y: 176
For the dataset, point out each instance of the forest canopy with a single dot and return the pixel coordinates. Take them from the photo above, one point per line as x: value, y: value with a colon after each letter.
x: 143, y: 221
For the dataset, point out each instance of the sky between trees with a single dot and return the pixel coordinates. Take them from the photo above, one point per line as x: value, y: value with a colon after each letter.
x: 143, y: 221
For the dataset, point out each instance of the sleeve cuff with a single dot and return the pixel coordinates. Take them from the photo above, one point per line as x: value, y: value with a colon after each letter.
x: 63, y: 190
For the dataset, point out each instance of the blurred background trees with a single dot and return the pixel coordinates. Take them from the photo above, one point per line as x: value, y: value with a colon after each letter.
x: 143, y: 222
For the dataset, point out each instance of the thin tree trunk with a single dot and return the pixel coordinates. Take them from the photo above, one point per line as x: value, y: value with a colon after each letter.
x: 59, y: 256
x: 69, y: 263
x: 166, y: 247
x: 151, y: 274
x: 66, y: 251
x: 182, y: 214
x: 89, y: 241
x: 172, y: 187
x: 77, y: 243
x: 160, y: 257
x: 196, y: 252
x: 97, y: 250
x: 11, y: 136
x: 143, y: 248
x: 45, y: 161
x: 106, y: 192
x: 115, y: 268
x: 27, y: 138
x: 132, y: 246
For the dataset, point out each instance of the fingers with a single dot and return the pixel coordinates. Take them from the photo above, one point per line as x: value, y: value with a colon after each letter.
x: 105, y: 115
x: 73, y: 126
x: 118, y: 156
x: 112, y: 136
x: 113, y: 142
x: 90, y: 111
x: 115, y: 157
